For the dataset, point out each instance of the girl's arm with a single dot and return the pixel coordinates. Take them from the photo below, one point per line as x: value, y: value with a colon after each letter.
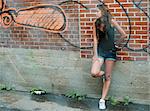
x: 95, y: 40
x: 120, y: 30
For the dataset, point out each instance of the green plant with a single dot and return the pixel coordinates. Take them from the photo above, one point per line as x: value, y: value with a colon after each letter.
x: 126, y: 100
x: 37, y: 91
x: 4, y: 87
x: 75, y: 95
x: 113, y: 101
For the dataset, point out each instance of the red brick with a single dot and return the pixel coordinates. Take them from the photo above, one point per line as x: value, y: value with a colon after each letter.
x: 85, y: 1
x: 144, y: 37
x: 128, y: 58
x: 141, y: 32
x: 82, y: 24
x: 83, y: 56
x: 86, y: 36
x: 82, y: 15
x: 82, y: 40
x: 85, y: 19
x: 135, y: 28
x: 135, y: 19
x: 114, y: 5
x: 121, y: 19
x: 141, y: 23
x: 86, y: 52
x: 123, y: 53
x: 89, y: 32
x: 90, y: 24
x: 128, y: 5
x: 119, y: 58
x: 111, y: 10
x: 84, y: 11
x: 141, y: 58
x: 89, y: 40
x: 139, y: 14
x: 90, y: 15
x: 145, y: 28
x: 135, y: 45
x: 85, y: 44
x: 144, y: 19
x: 116, y: 14
x: 132, y: 32
x: 83, y: 32
x: 108, y: 1
x: 119, y: 10
x: 133, y: 10
x: 134, y: 54
x: 136, y: 37
x: 89, y: 56
x: 127, y: 23
x: 143, y: 4
x: 129, y: 14
x: 85, y: 28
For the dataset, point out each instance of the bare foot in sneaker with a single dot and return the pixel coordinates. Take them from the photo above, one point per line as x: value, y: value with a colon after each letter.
x: 99, y: 74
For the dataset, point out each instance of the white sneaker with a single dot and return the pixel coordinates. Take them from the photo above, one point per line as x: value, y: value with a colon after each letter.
x: 102, y: 104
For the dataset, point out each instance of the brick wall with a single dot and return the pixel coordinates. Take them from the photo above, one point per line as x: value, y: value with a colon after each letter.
x: 139, y: 23
x: 79, y: 31
x: 18, y: 36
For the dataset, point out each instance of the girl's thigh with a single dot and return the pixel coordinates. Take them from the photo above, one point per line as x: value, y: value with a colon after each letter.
x: 96, y: 65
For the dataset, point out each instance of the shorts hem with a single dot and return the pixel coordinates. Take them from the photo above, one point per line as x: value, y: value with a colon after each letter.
x: 109, y: 58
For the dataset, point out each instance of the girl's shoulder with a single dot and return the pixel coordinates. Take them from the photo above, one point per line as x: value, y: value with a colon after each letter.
x: 113, y: 22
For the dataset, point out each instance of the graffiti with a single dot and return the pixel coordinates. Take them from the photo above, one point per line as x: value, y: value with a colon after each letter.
x: 52, y: 18
x: 48, y: 17
x: 44, y: 16
x: 145, y: 49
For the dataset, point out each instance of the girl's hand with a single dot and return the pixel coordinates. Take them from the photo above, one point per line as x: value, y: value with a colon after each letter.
x: 94, y: 58
x: 118, y: 47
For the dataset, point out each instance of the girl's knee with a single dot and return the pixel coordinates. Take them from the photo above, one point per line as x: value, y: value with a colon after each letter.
x: 94, y: 72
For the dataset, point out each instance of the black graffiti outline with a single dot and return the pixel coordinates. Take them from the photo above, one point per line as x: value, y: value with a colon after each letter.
x: 130, y: 26
x: 44, y: 6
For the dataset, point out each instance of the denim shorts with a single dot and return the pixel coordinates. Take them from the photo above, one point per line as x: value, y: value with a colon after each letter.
x: 108, y: 55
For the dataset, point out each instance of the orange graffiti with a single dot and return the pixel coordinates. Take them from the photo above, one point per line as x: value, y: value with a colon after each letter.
x: 2, y: 4
x: 45, y: 16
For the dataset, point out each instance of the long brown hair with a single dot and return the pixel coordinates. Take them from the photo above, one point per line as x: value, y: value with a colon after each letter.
x: 104, y: 20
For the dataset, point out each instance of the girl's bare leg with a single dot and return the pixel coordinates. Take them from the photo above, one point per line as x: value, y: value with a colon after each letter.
x: 96, y: 67
x: 108, y: 71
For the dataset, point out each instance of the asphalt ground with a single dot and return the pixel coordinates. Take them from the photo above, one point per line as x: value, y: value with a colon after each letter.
x: 24, y: 101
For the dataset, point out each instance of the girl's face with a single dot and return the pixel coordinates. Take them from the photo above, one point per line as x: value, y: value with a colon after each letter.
x: 102, y: 27
x: 99, y: 13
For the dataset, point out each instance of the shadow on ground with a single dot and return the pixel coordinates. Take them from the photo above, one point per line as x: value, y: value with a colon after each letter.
x: 24, y: 101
